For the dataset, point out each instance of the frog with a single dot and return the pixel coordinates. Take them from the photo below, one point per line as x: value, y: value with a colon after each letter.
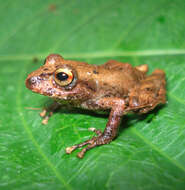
x: 114, y: 87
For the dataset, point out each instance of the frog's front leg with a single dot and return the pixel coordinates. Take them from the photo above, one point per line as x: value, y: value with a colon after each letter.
x: 48, y: 112
x: 117, y: 110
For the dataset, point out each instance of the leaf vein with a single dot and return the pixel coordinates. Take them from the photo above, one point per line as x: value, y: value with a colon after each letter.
x: 178, y: 165
x: 100, y: 54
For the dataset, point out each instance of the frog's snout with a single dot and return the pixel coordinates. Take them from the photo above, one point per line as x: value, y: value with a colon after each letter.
x: 31, y: 82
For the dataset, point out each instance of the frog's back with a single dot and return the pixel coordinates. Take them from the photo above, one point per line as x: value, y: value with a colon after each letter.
x: 112, y: 79
x: 117, y: 79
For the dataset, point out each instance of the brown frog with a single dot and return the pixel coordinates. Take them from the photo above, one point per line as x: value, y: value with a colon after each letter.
x: 114, y: 86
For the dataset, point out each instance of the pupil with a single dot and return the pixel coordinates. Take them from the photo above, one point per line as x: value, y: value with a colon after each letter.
x: 62, y: 76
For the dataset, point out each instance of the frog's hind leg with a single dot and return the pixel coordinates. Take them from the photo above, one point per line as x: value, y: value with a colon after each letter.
x: 158, y: 78
x: 143, y: 68
x: 113, y: 64
x: 152, y: 91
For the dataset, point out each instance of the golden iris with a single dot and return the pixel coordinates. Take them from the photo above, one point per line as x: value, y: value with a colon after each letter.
x: 63, y: 76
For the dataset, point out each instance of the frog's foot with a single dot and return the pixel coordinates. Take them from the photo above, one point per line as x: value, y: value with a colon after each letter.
x: 97, y: 131
x: 48, y: 112
x: 101, y: 139
x: 45, y: 114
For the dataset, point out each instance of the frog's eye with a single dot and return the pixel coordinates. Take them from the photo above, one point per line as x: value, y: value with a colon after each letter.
x: 63, y: 76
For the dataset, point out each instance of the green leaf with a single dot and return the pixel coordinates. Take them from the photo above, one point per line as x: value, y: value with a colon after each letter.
x: 149, y: 152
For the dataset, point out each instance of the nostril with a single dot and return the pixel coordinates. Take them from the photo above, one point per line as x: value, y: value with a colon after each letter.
x: 30, y: 82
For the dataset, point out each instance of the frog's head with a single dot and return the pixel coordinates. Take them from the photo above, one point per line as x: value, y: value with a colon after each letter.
x: 58, y: 79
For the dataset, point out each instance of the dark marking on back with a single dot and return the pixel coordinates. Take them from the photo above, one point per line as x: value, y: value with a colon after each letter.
x: 95, y: 72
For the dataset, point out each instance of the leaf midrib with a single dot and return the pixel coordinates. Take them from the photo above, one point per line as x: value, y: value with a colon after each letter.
x: 98, y: 54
